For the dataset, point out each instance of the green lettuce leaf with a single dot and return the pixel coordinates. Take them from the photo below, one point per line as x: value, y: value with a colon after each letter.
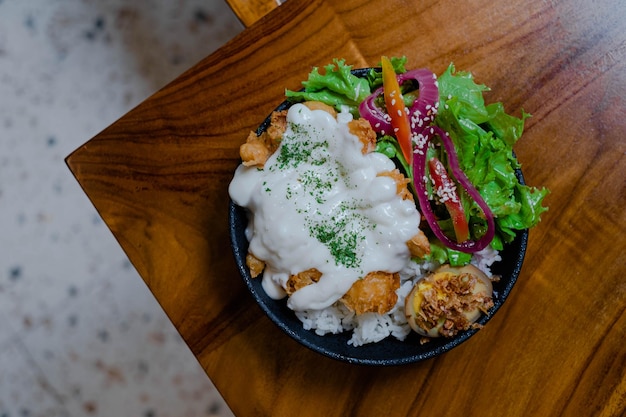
x: 442, y: 254
x: 375, y: 78
x: 483, y: 137
x: 464, y: 95
x: 337, y: 87
x: 389, y: 146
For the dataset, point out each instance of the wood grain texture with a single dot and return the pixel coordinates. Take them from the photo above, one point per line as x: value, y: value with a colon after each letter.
x: 249, y: 11
x: 159, y: 176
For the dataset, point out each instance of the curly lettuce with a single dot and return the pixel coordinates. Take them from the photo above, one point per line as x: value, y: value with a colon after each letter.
x: 337, y: 87
x: 483, y: 137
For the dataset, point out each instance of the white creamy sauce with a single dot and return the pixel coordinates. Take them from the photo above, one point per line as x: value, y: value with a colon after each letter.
x: 318, y: 203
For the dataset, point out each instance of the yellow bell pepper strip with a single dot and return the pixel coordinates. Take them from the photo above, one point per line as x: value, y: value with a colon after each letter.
x: 445, y: 189
x: 396, y: 110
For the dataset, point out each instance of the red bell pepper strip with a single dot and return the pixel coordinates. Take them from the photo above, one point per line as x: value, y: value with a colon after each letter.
x: 420, y: 177
x: 445, y: 189
x: 396, y: 110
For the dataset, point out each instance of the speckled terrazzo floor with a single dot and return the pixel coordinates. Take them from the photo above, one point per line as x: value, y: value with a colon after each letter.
x: 80, y: 335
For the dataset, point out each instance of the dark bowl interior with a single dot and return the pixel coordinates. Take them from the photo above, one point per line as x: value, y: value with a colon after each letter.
x: 389, y: 351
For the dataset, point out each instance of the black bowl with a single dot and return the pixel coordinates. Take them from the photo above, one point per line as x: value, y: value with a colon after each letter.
x: 389, y: 351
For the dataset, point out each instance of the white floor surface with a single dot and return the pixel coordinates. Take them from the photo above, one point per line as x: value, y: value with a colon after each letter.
x: 80, y: 334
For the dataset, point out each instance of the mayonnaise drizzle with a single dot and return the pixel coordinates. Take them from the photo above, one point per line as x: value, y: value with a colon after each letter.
x: 319, y: 203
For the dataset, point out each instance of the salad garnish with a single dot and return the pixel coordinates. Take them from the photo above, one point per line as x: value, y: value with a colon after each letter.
x: 456, y: 150
x: 445, y: 192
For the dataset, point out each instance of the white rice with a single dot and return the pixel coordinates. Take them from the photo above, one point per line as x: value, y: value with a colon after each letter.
x: 485, y: 258
x: 374, y: 327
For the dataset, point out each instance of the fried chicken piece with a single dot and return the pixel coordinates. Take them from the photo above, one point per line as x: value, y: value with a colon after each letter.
x: 374, y: 293
x: 258, y: 149
x: 254, y: 152
x: 318, y: 105
x: 302, y: 279
x: 358, y: 127
x: 363, y: 130
x: 402, y: 182
x: 255, y: 265
x: 419, y: 245
x: 278, y: 125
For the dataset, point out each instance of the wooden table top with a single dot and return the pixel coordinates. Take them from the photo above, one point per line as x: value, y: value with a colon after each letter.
x: 159, y: 176
x: 249, y: 11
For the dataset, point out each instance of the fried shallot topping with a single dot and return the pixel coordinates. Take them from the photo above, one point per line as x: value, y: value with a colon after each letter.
x: 452, y: 297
